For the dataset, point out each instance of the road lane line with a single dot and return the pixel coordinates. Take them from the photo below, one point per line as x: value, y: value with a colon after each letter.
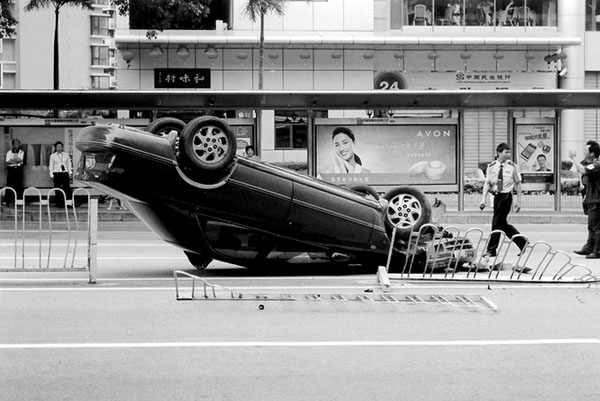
x: 298, y: 344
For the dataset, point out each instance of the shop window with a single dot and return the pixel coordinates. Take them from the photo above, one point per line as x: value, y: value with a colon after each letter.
x: 99, y: 25
x: 291, y: 136
x: 99, y: 55
x: 291, y: 130
x: 442, y: 13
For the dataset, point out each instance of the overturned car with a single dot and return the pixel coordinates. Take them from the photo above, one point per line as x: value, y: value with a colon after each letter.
x: 187, y: 184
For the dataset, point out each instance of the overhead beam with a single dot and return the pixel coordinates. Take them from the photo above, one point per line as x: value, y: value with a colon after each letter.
x: 353, y: 100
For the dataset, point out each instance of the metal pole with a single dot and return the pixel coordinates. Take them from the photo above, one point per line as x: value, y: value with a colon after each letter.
x: 93, y: 241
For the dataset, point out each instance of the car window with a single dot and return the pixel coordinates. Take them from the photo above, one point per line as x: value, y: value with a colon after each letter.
x: 241, y: 243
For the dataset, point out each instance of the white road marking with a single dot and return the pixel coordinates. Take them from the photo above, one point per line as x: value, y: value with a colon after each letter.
x: 298, y: 344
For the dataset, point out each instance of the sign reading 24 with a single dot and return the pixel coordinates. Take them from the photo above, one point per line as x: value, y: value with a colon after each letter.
x: 389, y: 81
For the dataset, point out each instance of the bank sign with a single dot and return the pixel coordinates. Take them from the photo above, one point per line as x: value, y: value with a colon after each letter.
x: 483, y: 80
x: 387, y: 154
x: 183, y: 78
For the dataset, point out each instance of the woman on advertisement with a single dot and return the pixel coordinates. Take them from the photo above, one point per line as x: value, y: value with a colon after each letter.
x: 345, y: 159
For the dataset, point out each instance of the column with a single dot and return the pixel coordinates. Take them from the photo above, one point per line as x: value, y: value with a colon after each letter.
x: 571, y: 22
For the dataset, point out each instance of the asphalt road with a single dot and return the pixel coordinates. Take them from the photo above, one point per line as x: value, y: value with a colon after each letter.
x: 127, y: 337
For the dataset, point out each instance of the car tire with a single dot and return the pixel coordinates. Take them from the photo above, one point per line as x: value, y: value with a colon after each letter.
x: 198, y: 260
x: 408, y: 209
x: 207, y: 143
x: 365, y: 190
x: 164, y: 125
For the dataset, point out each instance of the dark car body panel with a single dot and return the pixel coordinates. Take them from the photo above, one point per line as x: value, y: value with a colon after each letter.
x: 278, y: 205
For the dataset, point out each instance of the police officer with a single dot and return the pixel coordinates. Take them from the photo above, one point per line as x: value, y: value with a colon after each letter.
x: 502, y: 177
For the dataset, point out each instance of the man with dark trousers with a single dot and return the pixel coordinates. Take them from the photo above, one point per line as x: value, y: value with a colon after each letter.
x: 587, y: 159
x: 591, y: 173
x: 502, y: 177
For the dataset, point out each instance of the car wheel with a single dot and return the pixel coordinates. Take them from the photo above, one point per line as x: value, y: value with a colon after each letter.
x: 198, y: 260
x: 163, y: 126
x: 208, y: 143
x: 408, y: 210
x: 365, y: 190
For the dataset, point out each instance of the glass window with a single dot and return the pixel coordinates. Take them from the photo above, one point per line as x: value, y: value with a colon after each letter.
x: 473, y: 13
x: 99, y: 55
x: 592, y: 16
x: 291, y: 129
x: 241, y: 243
x: 100, y: 82
x: 99, y: 25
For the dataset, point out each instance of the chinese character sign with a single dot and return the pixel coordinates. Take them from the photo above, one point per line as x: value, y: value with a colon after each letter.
x: 191, y: 78
x: 387, y: 154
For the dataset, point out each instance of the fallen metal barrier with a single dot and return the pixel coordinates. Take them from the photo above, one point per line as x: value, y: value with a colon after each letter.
x: 205, y: 291
x: 447, y: 254
x: 49, y: 241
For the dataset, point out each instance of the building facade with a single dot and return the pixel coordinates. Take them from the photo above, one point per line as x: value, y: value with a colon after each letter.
x: 343, y: 45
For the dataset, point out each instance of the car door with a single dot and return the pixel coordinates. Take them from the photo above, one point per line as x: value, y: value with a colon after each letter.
x: 330, y: 216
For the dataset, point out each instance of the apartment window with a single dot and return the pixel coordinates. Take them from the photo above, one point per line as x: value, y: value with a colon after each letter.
x: 100, y: 55
x: 592, y: 16
x: 100, y: 82
x: 99, y: 25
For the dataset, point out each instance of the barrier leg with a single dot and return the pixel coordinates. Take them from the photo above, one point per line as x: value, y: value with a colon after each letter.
x: 93, y: 241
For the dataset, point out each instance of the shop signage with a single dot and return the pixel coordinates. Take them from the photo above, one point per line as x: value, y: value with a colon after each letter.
x: 389, y: 81
x: 190, y: 78
x: 492, y: 80
x: 419, y: 154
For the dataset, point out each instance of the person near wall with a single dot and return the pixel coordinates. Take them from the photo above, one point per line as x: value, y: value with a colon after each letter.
x: 250, y: 154
x: 501, y: 179
x: 14, y: 173
x: 591, y: 177
x: 61, y: 172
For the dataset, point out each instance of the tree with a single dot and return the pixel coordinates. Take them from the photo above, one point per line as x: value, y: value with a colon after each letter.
x: 257, y: 9
x: 58, y: 5
x: 158, y: 15
x: 7, y: 21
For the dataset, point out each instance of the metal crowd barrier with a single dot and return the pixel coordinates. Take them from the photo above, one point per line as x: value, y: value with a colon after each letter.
x: 200, y: 289
x: 36, y: 238
x: 436, y: 253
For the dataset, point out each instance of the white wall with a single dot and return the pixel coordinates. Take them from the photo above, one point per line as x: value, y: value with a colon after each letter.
x: 35, y: 42
x: 331, y: 15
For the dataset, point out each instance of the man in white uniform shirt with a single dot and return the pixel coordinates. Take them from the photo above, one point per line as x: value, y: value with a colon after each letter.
x: 61, y: 172
x: 501, y: 178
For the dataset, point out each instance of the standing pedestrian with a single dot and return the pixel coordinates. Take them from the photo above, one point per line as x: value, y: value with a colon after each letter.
x: 587, y: 159
x: 14, y: 175
x: 502, y: 177
x: 61, y: 172
x: 591, y: 173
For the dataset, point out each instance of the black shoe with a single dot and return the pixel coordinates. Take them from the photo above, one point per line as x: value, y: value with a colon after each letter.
x: 582, y: 252
x: 523, y: 269
x: 593, y: 255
